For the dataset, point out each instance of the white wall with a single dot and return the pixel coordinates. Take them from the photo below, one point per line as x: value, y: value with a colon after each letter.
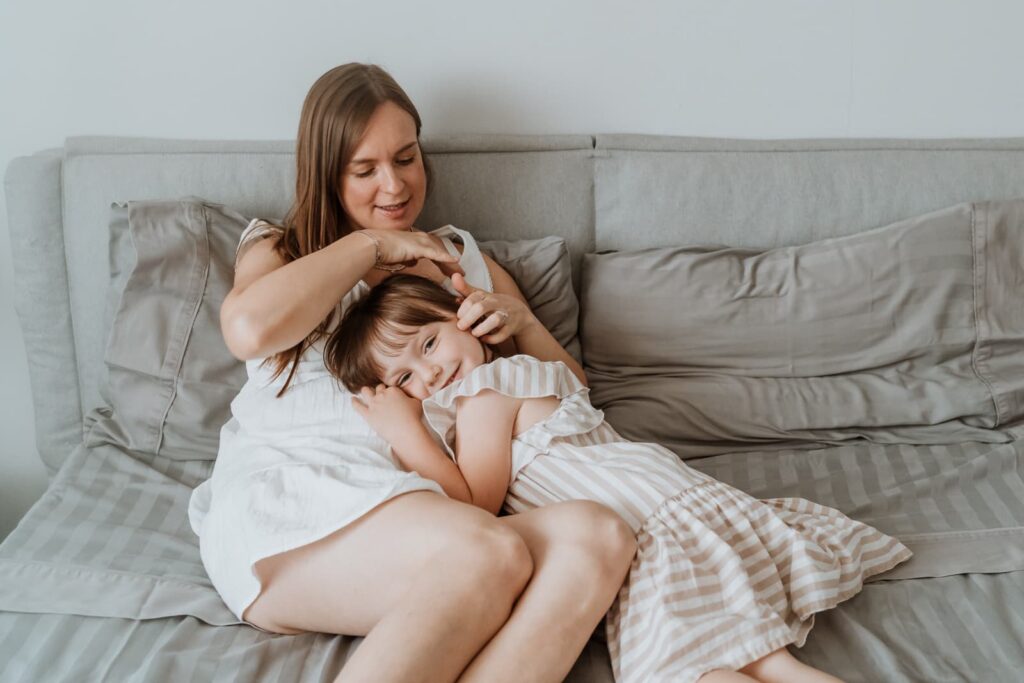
x: 240, y: 68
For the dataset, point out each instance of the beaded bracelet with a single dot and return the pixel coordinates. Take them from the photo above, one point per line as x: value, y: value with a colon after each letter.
x: 376, y: 255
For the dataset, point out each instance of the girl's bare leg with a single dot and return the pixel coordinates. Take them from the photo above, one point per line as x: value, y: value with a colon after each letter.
x: 782, y: 667
x: 581, y: 553
x: 426, y: 579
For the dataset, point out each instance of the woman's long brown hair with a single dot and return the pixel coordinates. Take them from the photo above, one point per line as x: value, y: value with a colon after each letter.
x: 333, y: 121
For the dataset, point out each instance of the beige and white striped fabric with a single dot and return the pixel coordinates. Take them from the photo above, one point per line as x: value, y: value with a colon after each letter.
x: 720, y: 578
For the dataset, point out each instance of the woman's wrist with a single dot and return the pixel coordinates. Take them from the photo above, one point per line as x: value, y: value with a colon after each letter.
x: 531, y: 323
x: 363, y: 248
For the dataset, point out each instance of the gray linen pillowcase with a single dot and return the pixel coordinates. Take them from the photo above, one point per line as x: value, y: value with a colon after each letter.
x: 170, y: 379
x: 543, y: 270
x: 901, y: 334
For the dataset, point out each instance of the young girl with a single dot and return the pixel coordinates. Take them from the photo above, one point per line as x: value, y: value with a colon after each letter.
x: 721, y: 582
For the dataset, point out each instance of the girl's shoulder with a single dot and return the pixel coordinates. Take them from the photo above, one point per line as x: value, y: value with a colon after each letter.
x: 518, y: 376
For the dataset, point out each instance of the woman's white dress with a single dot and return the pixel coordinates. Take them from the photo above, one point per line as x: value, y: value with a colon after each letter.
x: 294, y: 469
x: 720, y: 578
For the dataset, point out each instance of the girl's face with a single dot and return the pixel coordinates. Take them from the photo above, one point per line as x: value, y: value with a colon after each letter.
x: 384, y: 185
x: 432, y: 358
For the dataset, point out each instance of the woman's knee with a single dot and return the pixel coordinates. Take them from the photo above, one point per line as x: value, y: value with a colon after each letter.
x: 599, y: 537
x: 493, y: 558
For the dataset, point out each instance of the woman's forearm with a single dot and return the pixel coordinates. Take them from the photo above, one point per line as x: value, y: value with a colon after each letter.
x: 534, y: 340
x: 281, y: 308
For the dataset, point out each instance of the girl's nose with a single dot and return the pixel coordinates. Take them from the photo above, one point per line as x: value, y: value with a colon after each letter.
x: 430, y: 373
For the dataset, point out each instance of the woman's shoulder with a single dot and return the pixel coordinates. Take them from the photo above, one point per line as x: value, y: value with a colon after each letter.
x: 258, y: 229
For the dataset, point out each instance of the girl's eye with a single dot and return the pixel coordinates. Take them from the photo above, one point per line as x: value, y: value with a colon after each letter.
x: 403, y: 379
x: 430, y: 344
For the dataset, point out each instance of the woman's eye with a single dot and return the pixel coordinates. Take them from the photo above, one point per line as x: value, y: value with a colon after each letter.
x: 402, y: 380
x: 430, y: 344
x: 406, y: 162
x: 364, y: 174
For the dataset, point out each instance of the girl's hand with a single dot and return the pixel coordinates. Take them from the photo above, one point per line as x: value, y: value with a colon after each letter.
x: 492, y: 317
x: 391, y: 412
x: 405, y: 247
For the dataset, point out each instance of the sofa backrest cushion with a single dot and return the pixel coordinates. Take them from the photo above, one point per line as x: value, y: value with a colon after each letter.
x: 658, y: 191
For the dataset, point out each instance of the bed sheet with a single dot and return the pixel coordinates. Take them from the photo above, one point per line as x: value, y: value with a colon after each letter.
x: 110, y: 538
x: 956, y: 629
x: 115, y: 525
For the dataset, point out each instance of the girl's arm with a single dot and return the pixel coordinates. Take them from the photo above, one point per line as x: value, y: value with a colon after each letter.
x: 419, y: 453
x: 483, y: 442
x: 398, y: 419
x: 483, y: 446
x: 274, y: 305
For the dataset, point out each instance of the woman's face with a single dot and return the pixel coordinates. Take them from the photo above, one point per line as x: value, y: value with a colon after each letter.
x: 384, y: 185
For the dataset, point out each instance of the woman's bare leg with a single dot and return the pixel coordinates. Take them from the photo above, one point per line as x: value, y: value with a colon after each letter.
x: 581, y: 553
x: 725, y: 676
x: 782, y: 667
x: 426, y: 579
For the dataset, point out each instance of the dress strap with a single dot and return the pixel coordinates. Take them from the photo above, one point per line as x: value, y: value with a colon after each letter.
x: 472, y: 260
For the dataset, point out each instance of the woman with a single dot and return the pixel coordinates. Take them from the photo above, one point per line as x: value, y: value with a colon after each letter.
x: 308, y: 523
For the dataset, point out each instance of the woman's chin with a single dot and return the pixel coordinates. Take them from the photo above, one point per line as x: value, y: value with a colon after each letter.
x: 392, y: 225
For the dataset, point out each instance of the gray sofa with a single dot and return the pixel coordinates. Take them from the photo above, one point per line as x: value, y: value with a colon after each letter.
x: 714, y: 317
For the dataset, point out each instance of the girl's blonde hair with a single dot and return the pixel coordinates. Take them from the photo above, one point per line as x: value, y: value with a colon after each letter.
x: 384, y: 320
x: 333, y: 121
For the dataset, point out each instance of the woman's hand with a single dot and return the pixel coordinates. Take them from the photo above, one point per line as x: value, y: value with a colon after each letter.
x: 406, y: 247
x: 391, y: 412
x: 492, y: 317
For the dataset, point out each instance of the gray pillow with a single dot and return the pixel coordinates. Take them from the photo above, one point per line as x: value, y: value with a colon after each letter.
x: 170, y: 379
x: 908, y: 333
x: 543, y: 270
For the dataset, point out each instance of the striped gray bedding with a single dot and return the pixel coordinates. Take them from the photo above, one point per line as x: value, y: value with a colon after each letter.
x: 954, y: 629
x: 110, y: 538
x: 112, y: 525
x: 959, y: 507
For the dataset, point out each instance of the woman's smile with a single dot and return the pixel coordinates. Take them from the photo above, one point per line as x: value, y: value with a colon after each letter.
x: 394, y: 211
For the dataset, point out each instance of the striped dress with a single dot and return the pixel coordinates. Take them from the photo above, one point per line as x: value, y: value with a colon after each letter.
x: 720, y: 579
